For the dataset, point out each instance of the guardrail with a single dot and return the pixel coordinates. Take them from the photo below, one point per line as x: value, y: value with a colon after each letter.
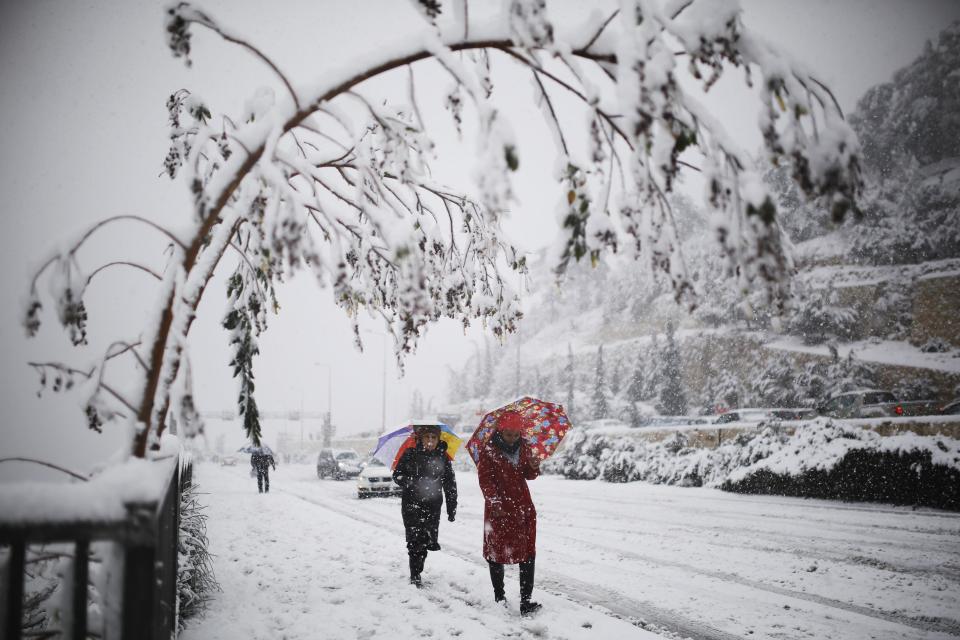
x: 147, y: 535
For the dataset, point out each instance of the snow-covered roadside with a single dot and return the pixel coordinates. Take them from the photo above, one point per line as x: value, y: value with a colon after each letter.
x: 309, y: 560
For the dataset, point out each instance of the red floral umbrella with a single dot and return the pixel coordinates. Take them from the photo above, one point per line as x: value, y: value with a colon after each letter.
x: 545, y: 424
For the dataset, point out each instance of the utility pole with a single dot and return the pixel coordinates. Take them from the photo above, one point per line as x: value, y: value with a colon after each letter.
x: 383, y: 382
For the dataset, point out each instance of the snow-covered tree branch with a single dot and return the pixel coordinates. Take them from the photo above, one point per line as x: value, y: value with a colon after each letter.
x: 320, y: 178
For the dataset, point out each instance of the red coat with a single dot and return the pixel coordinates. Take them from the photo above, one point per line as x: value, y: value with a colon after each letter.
x: 511, y: 537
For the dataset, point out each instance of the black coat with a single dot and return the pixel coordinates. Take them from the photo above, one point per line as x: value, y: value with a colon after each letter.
x: 261, y: 462
x: 427, y: 478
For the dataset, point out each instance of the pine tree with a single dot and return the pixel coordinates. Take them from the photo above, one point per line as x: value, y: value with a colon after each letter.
x: 615, y: 378
x: 456, y: 390
x: 673, y: 399
x: 634, y: 416
x: 546, y: 387
x: 636, y: 391
x: 600, y: 409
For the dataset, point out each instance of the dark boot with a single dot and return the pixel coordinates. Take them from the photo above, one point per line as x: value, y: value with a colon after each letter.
x: 416, y: 568
x: 527, y: 606
x: 260, y: 483
x: 496, y: 578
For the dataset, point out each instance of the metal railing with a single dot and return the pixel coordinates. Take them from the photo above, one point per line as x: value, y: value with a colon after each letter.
x: 148, y: 539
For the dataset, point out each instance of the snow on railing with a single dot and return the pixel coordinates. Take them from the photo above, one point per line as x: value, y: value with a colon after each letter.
x: 135, y: 507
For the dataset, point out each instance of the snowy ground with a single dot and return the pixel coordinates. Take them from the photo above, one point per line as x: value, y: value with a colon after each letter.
x: 309, y: 560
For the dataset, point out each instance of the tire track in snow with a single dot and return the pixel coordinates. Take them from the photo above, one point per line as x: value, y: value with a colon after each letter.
x: 932, y: 536
x: 603, y: 600
x: 631, y: 609
x: 925, y: 623
x: 922, y: 543
x: 809, y: 503
x: 795, y: 548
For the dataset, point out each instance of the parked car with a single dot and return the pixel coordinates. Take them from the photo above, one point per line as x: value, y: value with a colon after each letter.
x: 872, y: 403
x: 951, y: 409
x: 338, y: 464
x: 747, y: 415
x: 797, y: 413
x: 674, y: 421
x: 376, y: 480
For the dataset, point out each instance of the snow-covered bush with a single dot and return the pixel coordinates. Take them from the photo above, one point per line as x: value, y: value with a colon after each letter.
x: 312, y: 175
x: 48, y: 588
x: 834, y: 461
x: 195, y: 580
x: 670, y: 461
x: 821, y: 459
x: 936, y: 345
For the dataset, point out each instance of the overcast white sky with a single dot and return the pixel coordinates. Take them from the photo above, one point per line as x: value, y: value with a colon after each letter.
x: 83, y: 134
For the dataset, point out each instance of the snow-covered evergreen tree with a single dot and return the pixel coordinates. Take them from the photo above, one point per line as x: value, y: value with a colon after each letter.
x: 673, y: 398
x: 599, y: 408
x: 637, y: 389
x: 777, y: 384
x: 616, y: 378
x: 911, y: 152
x: 546, y: 389
x: 818, y: 315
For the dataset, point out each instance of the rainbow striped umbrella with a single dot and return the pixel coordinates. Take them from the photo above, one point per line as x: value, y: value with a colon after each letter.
x: 390, y: 448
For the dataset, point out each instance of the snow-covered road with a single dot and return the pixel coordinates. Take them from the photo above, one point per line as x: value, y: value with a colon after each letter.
x: 309, y: 560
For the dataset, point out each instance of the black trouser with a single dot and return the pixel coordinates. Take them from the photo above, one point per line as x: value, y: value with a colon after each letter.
x: 263, y: 480
x: 526, y: 579
x: 421, y: 523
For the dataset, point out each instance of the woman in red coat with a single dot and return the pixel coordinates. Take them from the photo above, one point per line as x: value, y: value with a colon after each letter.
x: 509, y: 517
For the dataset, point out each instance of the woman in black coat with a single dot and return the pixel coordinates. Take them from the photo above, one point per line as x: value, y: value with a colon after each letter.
x: 426, y: 475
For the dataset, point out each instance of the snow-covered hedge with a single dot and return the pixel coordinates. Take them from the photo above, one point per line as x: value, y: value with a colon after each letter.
x: 195, y: 580
x: 821, y: 459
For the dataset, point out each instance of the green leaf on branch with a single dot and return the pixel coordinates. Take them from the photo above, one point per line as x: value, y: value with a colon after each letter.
x: 767, y: 211
x: 510, y: 153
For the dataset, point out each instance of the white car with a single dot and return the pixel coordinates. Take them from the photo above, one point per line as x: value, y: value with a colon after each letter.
x: 376, y: 479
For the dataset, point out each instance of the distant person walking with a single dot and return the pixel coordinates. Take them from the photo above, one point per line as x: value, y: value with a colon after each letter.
x: 509, y: 517
x: 426, y: 475
x: 261, y: 460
